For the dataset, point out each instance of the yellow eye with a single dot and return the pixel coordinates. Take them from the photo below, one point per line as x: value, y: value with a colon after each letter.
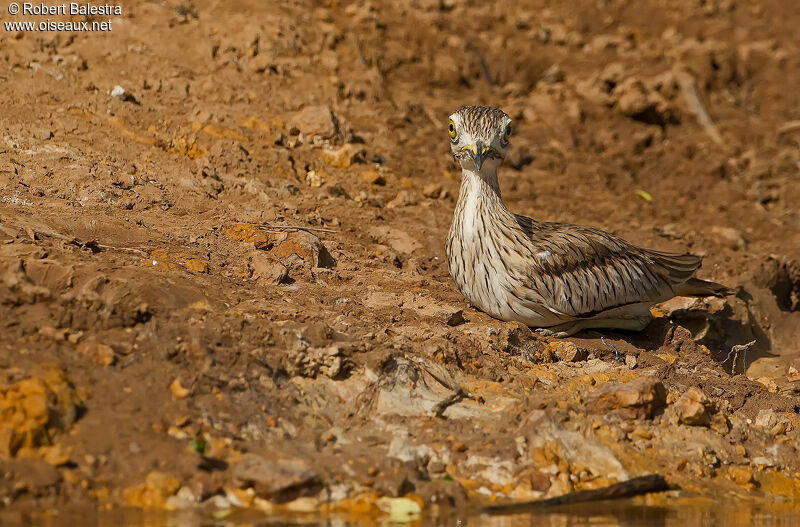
x: 507, y: 133
x: 452, y: 130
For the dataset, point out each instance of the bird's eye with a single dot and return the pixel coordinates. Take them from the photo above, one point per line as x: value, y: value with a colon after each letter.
x: 507, y: 133
x: 452, y: 130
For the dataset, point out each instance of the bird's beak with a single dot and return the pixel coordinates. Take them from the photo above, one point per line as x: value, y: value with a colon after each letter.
x: 479, y: 153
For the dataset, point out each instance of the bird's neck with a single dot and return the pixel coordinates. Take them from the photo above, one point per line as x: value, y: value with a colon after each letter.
x: 483, y: 181
x: 480, y: 193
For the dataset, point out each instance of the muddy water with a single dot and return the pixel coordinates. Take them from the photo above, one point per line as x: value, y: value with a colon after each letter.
x: 599, y: 514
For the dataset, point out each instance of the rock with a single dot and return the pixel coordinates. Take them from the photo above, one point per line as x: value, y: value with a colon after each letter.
x: 637, y: 399
x: 432, y: 190
x: 454, y: 318
x: 308, y: 361
x: 633, y: 98
x: 631, y: 361
x: 741, y: 475
x: 315, y: 121
x: 380, y: 299
x: 178, y: 390
x: 315, y: 178
x: 101, y: 354
x: 535, y: 479
x: 268, y: 270
x: 33, y: 409
x: 567, y: 351
x: 404, y: 198
x: 245, y: 232
x: 118, y: 92
x: 55, y: 455
x: 184, y: 499
x: 308, y: 247
x: 401, y: 510
x: 766, y: 418
x: 729, y: 237
x: 343, y: 157
x: 161, y: 259
x: 42, y: 133
x: 373, y: 177
x: 398, y: 240
x: 397, y: 482
x: 280, y: 480
x: 154, y: 492
x: 691, y: 408
x: 552, y: 75
x: 31, y: 475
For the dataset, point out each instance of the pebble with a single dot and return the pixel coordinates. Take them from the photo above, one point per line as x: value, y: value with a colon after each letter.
x: 279, y: 478
x: 691, y: 408
x: 636, y: 399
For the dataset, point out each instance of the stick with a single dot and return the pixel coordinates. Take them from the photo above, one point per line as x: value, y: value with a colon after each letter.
x: 696, y: 105
x: 484, y: 68
x: 735, y: 352
x: 613, y: 347
x: 294, y: 227
x: 788, y: 127
x: 459, y: 395
x: 624, y: 489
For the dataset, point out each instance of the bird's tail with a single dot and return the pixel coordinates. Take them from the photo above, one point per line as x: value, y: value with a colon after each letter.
x: 697, y: 287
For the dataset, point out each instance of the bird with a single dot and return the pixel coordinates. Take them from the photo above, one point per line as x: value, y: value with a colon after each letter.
x: 554, y: 277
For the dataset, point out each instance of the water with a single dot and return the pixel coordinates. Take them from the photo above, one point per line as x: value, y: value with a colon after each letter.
x: 634, y: 512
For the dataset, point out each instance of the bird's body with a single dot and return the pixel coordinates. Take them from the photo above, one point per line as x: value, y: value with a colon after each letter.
x: 548, y: 275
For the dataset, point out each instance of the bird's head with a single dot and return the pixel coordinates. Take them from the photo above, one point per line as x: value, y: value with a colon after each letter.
x: 479, y: 137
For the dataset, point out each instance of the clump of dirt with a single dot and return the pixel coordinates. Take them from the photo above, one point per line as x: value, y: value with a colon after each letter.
x: 223, y: 229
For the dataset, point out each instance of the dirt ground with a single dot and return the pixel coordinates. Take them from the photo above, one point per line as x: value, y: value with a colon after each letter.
x: 161, y: 349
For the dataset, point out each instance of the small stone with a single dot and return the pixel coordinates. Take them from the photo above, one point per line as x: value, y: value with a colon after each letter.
x: 691, y: 408
x: 552, y: 75
x: 729, y: 237
x: 454, y: 318
x: 459, y: 446
x: 55, y: 455
x: 247, y: 233
x: 178, y: 390
x: 373, y: 177
x: 315, y: 178
x: 637, y: 399
x: 183, y: 499
x: 118, y: 92
x: 308, y: 247
x: 432, y: 191
x: 315, y: 121
x: 631, y: 361
x: 101, y: 354
x: 343, y: 157
x: 766, y: 418
x: 42, y: 133
x: 268, y: 270
x: 196, y: 265
x: 741, y: 475
x: 567, y: 351
x: 404, y: 198
x: 154, y: 492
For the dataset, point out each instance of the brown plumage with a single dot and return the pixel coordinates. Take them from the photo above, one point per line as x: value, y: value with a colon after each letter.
x: 548, y: 275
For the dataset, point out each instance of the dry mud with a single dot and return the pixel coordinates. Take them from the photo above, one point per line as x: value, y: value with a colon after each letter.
x: 161, y: 350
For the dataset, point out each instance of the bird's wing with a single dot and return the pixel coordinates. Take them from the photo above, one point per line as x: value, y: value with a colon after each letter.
x: 580, y: 271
